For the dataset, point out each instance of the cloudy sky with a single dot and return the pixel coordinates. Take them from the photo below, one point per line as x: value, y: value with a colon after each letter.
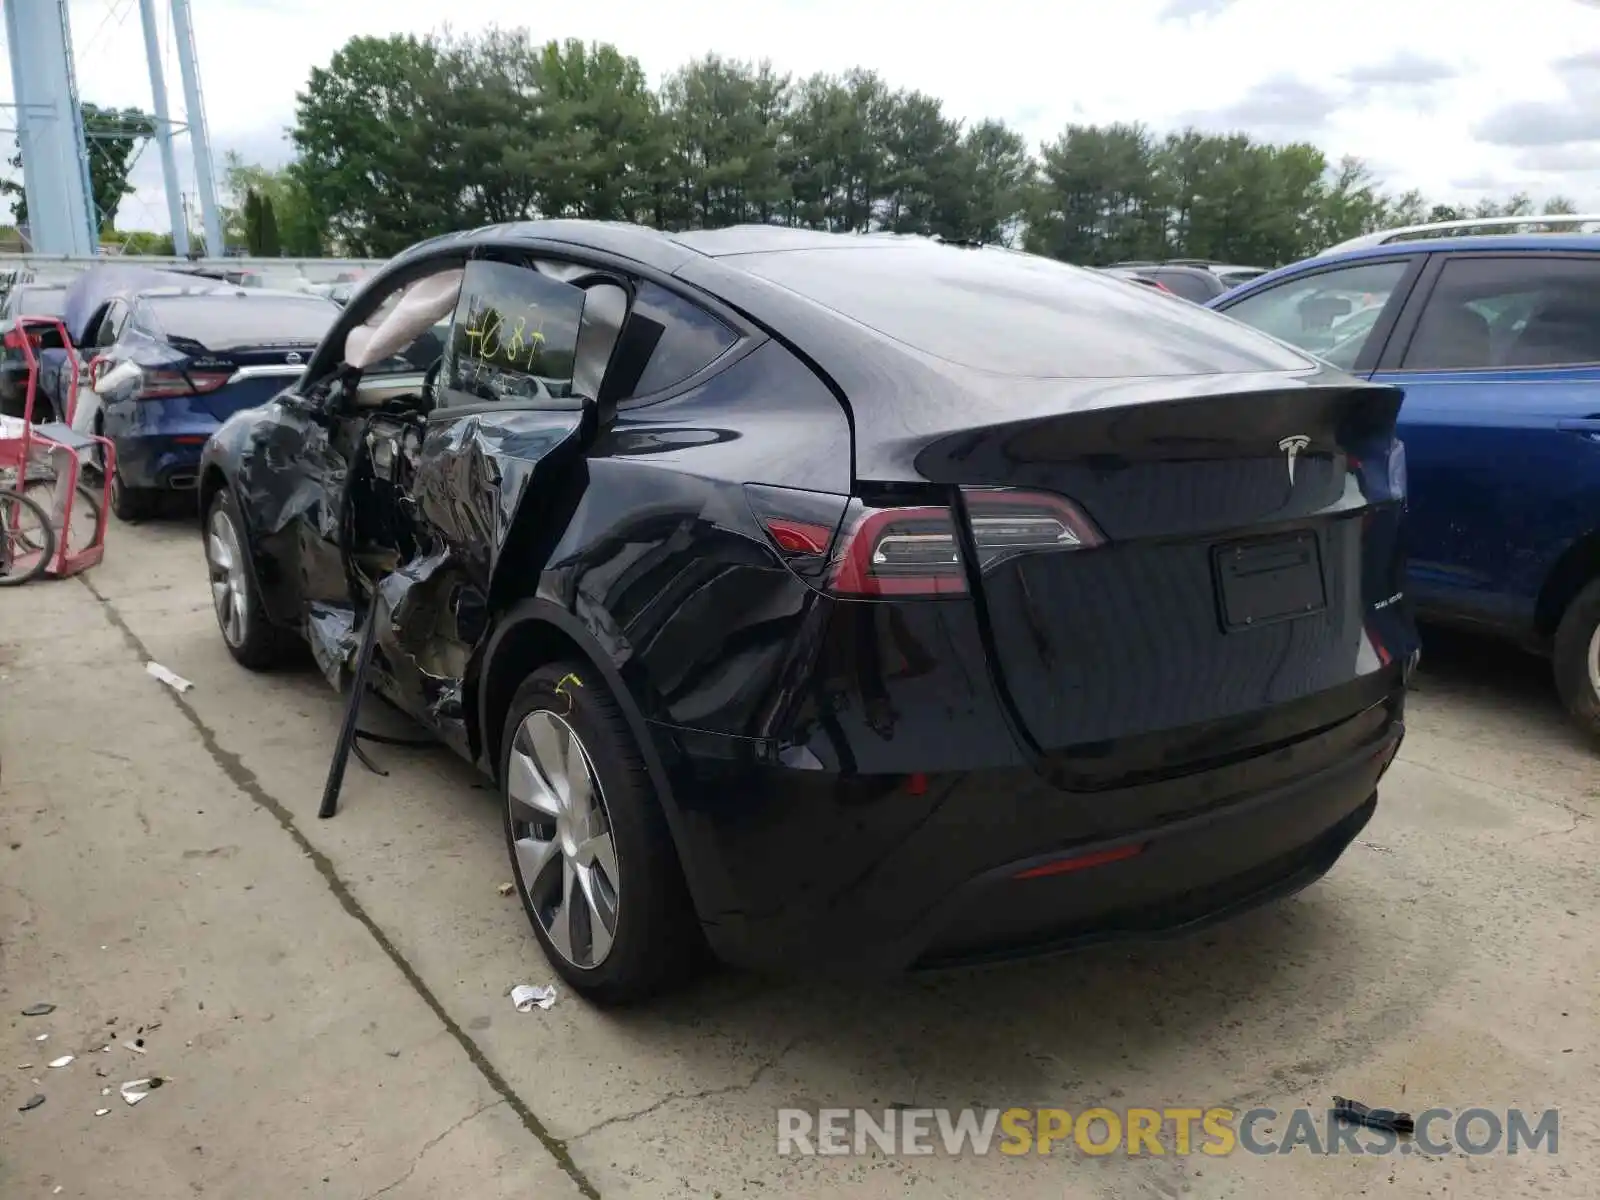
x: 1460, y: 98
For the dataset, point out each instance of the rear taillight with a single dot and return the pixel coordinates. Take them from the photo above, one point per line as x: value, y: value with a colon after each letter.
x: 161, y: 385
x: 915, y: 551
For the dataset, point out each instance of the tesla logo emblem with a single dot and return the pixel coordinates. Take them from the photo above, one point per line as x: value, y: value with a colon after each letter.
x: 294, y: 360
x: 1291, y: 447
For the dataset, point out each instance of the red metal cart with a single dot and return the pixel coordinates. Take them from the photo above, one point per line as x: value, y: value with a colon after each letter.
x: 53, y: 453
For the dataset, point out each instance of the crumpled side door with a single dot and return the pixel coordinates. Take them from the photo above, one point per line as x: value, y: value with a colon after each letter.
x: 499, y: 462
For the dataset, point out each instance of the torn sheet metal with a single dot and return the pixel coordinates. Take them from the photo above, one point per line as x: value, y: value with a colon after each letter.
x: 332, y: 634
x: 473, y: 478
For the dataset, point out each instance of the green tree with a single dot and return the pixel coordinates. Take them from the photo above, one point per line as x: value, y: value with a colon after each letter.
x: 113, y: 137
x: 261, y: 225
x: 402, y: 138
x: 296, y: 223
x: 725, y: 141
x: 378, y: 156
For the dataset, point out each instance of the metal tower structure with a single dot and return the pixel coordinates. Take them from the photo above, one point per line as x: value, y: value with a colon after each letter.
x: 169, y: 162
x: 199, y: 138
x: 49, y: 127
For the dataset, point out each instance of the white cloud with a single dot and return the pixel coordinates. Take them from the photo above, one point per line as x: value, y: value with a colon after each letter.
x: 1387, y: 80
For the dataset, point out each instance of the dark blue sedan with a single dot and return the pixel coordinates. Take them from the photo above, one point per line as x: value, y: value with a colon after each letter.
x: 172, y: 363
x: 1496, y: 341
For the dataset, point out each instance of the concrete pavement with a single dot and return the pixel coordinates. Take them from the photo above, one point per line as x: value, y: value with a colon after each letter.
x: 331, y: 996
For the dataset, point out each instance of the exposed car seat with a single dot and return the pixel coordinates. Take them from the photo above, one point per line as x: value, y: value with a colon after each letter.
x: 1455, y: 337
x: 1566, y: 329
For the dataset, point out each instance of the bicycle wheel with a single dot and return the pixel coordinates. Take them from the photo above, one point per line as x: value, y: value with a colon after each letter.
x: 27, y: 542
x: 86, y: 513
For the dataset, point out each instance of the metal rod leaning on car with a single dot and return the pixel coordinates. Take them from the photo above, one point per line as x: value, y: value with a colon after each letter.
x: 352, y: 710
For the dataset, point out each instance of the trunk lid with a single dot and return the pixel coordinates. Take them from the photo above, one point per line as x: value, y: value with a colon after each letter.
x: 1242, y: 556
x: 240, y: 377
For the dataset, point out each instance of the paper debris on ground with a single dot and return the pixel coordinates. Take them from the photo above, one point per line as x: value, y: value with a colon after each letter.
x: 100, y: 1112
x: 130, y: 1044
x: 41, y: 1037
x: 30, y: 1102
x: 135, y: 1090
x: 506, y: 889
x: 176, y: 682
x: 62, y: 1061
x: 38, y: 1010
x: 528, y: 996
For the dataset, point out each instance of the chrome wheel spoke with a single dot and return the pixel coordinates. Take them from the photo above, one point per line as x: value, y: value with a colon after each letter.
x: 600, y: 853
x: 534, y: 856
x: 528, y: 791
x: 560, y: 927
x: 562, y: 839
x: 548, y: 749
x: 597, y: 913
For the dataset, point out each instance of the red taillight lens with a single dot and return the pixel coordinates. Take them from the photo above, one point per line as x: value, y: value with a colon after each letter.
x: 799, y: 537
x: 160, y: 385
x: 914, y: 551
x: 900, y: 552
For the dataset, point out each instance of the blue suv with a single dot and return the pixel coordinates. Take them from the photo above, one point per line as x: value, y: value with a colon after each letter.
x: 1496, y: 341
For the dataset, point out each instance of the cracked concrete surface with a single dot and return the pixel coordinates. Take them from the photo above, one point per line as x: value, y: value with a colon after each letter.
x: 332, y: 995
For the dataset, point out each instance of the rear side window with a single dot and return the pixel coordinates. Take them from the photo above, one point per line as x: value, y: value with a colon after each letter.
x: 111, y: 324
x: 1190, y: 287
x: 514, y: 337
x: 1525, y: 311
x: 1019, y: 314
x: 1329, y: 313
x: 666, y: 340
x: 227, y: 321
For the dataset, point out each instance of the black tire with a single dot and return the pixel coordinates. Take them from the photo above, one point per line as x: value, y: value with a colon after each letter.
x: 1577, y: 641
x: 132, y: 504
x: 258, y: 645
x: 32, y: 540
x: 657, y: 943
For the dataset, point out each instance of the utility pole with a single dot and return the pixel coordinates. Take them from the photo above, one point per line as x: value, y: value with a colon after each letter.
x: 169, y: 162
x: 199, y: 138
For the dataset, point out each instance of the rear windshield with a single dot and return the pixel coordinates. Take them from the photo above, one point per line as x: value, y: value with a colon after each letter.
x: 228, y: 320
x: 1019, y: 314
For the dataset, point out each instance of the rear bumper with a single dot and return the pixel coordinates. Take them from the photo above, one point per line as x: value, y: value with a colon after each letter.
x: 939, y: 886
x: 159, y: 442
x: 160, y: 461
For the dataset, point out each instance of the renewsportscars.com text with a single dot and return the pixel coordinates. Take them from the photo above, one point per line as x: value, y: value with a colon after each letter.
x: 1157, y: 1131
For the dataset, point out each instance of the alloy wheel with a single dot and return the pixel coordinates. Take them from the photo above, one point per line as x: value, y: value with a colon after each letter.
x: 562, y: 837
x: 1594, y: 661
x: 225, y: 559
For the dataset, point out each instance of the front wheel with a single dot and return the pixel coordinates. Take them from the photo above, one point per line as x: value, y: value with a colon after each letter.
x: 250, y: 637
x: 593, y: 859
x: 1576, y: 658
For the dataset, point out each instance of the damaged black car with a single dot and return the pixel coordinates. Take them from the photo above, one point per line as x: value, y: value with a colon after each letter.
x: 857, y: 603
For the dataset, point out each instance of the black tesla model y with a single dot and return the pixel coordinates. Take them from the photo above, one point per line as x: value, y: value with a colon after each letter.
x: 838, y: 601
